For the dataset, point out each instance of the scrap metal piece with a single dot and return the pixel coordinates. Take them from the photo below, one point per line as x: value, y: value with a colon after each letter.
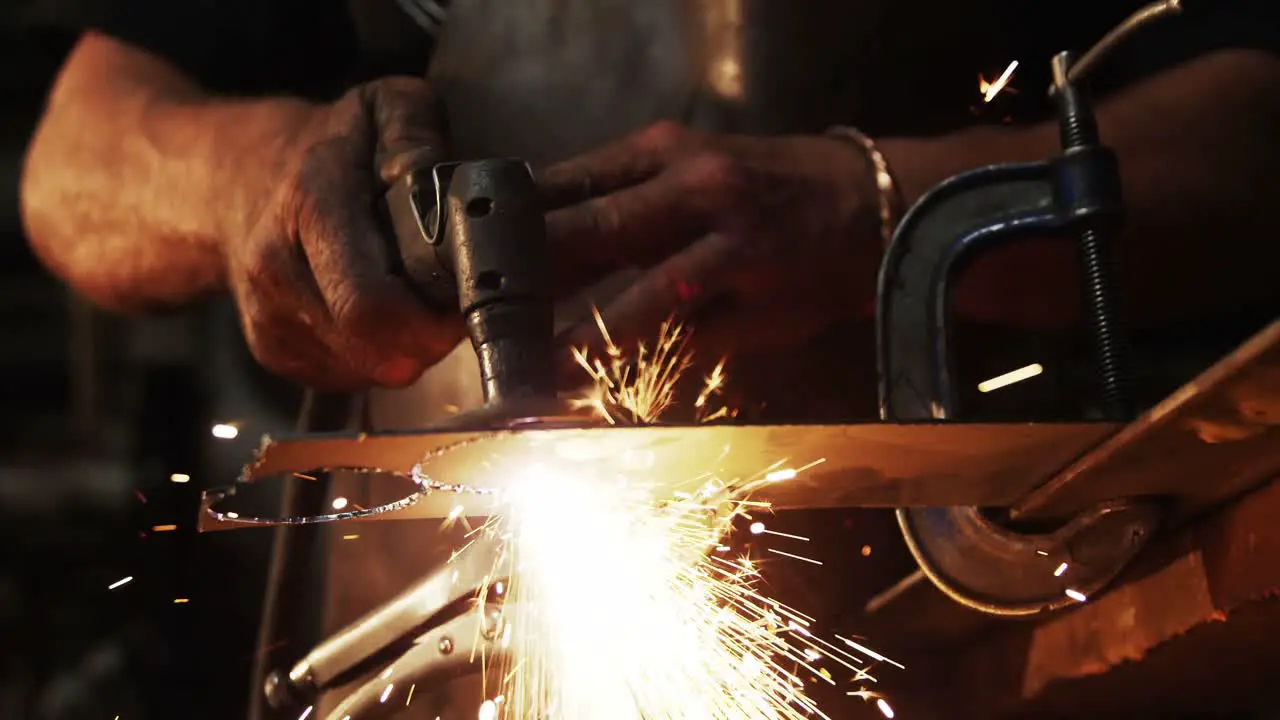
x: 870, y: 465
x: 1216, y: 437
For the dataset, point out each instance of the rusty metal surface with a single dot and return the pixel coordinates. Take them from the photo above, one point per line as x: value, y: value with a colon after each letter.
x: 858, y: 465
x: 1213, y: 439
x: 1193, y: 629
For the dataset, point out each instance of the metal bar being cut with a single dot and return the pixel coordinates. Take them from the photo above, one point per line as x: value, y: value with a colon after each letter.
x: 874, y: 465
x: 1216, y: 437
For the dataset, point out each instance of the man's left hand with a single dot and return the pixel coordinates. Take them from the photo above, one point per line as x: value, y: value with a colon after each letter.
x: 758, y: 241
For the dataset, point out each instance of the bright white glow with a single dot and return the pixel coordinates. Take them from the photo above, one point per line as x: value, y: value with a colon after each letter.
x: 306, y: 713
x: 1011, y: 377
x: 884, y: 708
x: 488, y: 710
x: 657, y: 629
x: 757, y: 528
x: 386, y: 693
x: 120, y: 583
x: 179, y: 478
x: 339, y: 503
x: 1076, y: 595
x: 1060, y: 569
x: 225, y: 431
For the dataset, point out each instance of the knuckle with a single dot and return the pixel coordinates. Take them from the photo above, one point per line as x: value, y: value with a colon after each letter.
x: 661, y: 137
x: 719, y: 176
x: 605, y: 219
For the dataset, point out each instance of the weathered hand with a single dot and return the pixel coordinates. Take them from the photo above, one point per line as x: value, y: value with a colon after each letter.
x: 312, y: 281
x: 760, y: 241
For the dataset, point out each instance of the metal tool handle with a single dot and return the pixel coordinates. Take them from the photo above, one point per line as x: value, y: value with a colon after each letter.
x: 471, y: 238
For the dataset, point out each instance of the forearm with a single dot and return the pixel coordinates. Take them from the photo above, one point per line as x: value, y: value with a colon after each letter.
x: 135, y: 178
x: 1197, y: 146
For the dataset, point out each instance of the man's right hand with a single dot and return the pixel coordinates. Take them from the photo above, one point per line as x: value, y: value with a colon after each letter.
x: 317, y: 300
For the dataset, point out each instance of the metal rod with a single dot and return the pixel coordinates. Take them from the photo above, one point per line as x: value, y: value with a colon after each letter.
x: 1089, y: 61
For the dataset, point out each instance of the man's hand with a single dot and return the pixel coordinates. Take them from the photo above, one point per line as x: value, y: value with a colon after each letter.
x: 311, y: 279
x: 759, y: 241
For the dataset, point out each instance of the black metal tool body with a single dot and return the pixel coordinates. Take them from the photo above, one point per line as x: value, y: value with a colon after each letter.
x: 470, y: 237
x: 971, y: 556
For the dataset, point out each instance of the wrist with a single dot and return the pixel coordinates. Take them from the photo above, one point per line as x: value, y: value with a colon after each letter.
x: 877, y: 193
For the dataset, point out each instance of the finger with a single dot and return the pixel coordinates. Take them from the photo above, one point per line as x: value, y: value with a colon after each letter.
x: 617, y: 165
x: 393, y: 166
x: 384, y: 329
x: 292, y: 350
x: 677, y: 287
x: 641, y: 225
x: 285, y: 320
x: 405, y: 114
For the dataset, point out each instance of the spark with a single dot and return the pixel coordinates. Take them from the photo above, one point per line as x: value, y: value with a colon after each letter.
x: 613, y: 600
x: 339, y: 503
x: 884, y: 708
x: 181, y: 601
x: 795, y: 557
x: 1011, y: 377
x: 1076, y: 595
x: 991, y: 90
x: 350, y: 537
x: 180, y: 478
x: 306, y: 713
x: 120, y: 583
x: 866, y: 551
x: 225, y: 431
x: 163, y: 528
x: 1059, y: 570
x: 757, y: 528
x: 640, y: 389
x: 872, y: 653
x: 788, y: 536
x: 386, y: 693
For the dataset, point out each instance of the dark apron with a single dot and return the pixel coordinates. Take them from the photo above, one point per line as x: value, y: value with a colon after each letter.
x: 545, y: 79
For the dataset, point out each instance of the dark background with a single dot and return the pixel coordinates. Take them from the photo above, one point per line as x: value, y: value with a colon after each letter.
x: 97, y: 413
